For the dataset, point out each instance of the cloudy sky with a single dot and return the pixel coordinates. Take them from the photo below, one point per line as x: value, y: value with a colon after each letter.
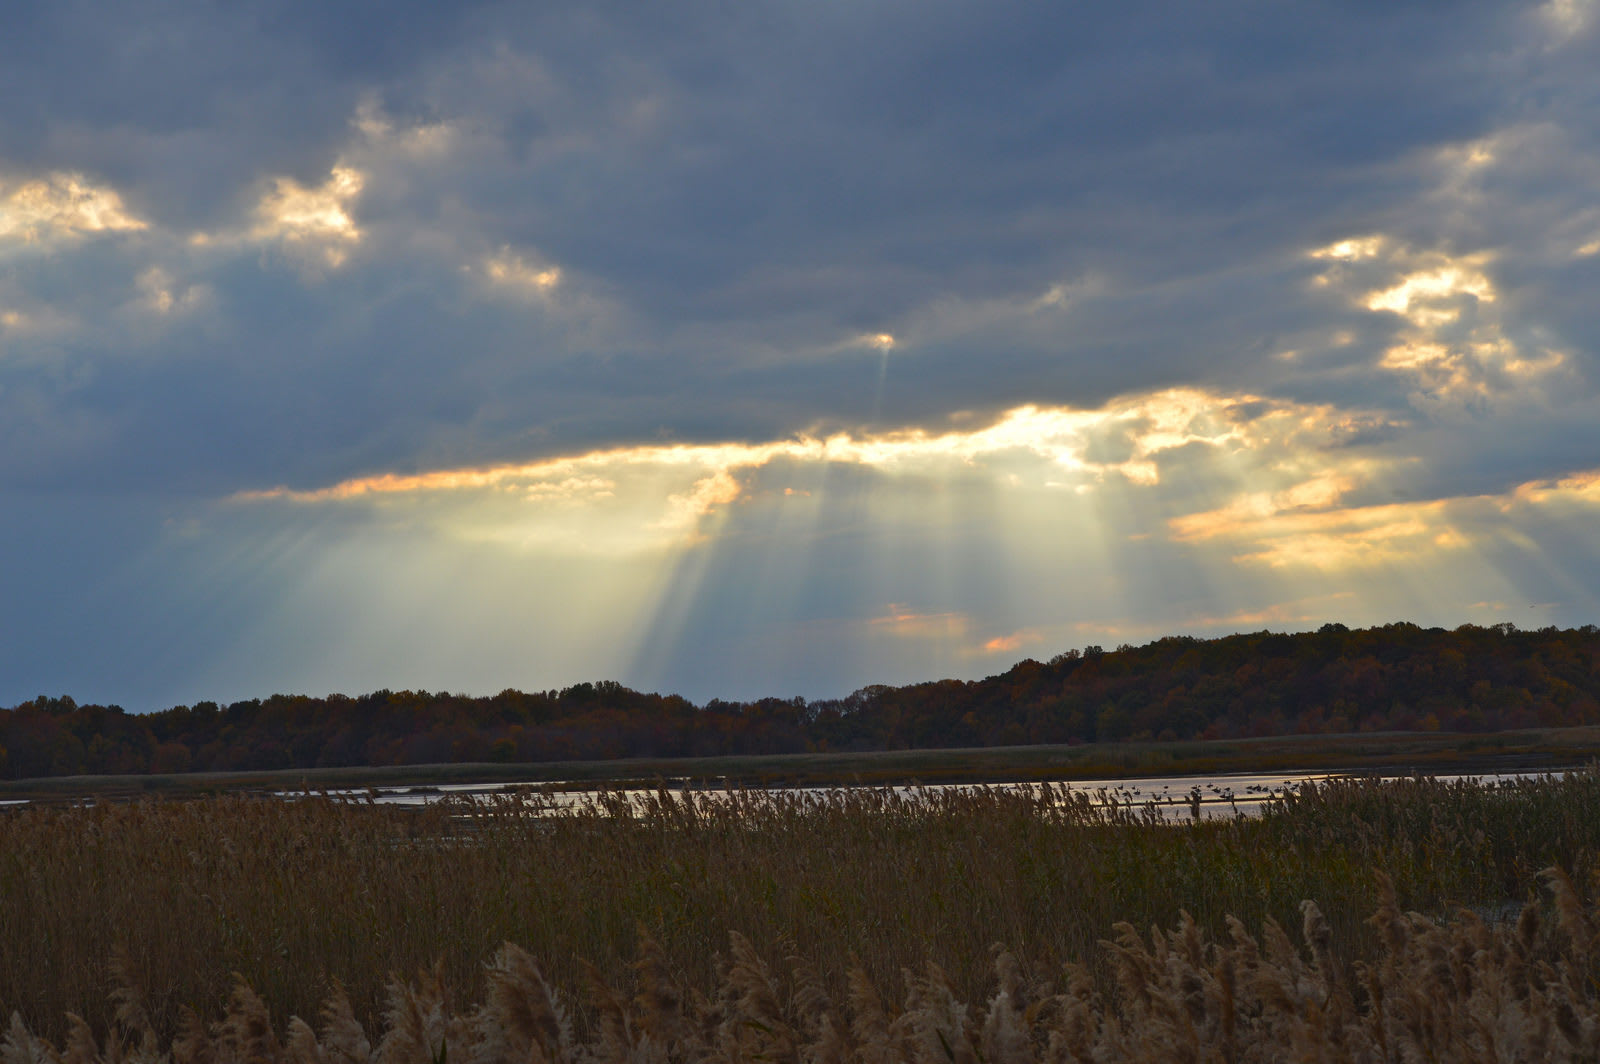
x: 759, y: 348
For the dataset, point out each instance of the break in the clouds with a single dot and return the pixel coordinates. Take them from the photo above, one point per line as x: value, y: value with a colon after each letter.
x: 780, y: 348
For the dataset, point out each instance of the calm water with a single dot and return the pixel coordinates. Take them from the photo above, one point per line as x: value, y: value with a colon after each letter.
x: 1172, y: 796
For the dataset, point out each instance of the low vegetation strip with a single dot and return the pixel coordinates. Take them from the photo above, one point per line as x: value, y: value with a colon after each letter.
x: 175, y: 900
x: 1387, y: 753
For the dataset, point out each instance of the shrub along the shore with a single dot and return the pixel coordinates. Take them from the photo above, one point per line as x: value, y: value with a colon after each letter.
x: 1397, y: 677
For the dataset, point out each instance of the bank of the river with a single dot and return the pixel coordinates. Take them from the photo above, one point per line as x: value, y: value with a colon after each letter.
x: 1384, y: 753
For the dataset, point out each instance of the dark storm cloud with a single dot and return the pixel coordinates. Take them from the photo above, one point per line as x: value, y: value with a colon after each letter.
x: 188, y: 105
x: 744, y: 191
x: 856, y: 167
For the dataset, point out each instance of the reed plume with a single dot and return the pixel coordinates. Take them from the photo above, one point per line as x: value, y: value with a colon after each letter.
x: 1461, y: 989
x: 135, y: 916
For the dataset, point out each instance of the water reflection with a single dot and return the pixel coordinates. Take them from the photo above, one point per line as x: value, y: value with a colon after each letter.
x: 1172, y: 798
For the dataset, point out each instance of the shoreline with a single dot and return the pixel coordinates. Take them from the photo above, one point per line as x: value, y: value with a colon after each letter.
x: 1386, y: 753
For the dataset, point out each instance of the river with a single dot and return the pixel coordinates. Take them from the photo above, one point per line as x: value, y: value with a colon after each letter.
x: 1177, y: 798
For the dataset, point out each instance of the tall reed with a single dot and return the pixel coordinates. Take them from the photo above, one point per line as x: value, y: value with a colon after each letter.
x: 299, y: 896
x: 1466, y: 992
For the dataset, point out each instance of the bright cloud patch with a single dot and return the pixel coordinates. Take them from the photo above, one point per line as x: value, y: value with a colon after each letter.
x: 1013, y: 642
x: 512, y: 271
x: 61, y: 205
x: 1284, y: 468
x: 1048, y: 448
x: 316, y: 220
x: 1332, y: 539
x: 1454, y: 345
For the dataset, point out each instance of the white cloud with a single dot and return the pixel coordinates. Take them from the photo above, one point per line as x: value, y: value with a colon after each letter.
x: 509, y: 270
x: 1453, y: 346
x: 61, y: 206
x: 313, y: 221
x: 655, y: 496
x: 1354, y: 249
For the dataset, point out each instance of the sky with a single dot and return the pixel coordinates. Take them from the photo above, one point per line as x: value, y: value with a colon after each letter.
x: 758, y: 349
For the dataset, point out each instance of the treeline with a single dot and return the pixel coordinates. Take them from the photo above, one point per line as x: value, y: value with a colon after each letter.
x: 1399, y: 677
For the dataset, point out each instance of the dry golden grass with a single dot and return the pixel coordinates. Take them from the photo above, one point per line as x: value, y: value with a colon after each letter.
x: 1463, y: 992
x: 152, y: 920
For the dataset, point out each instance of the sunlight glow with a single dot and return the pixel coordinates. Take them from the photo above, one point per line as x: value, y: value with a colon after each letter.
x: 1230, y: 510
x: 906, y: 623
x: 1354, y: 249
x: 1009, y: 644
x: 1329, y: 539
x: 511, y: 270
x: 1425, y: 296
x: 1580, y: 487
x: 1069, y: 440
x: 1272, y: 497
x: 1266, y: 531
x: 1452, y: 344
x: 312, y: 218
x: 61, y: 205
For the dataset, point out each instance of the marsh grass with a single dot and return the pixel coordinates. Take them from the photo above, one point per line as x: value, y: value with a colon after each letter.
x: 229, y: 907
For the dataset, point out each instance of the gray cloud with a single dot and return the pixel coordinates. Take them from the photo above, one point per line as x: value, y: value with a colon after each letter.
x: 739, y: 182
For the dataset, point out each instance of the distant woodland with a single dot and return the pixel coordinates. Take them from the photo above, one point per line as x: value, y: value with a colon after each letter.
x: 1399, y: 677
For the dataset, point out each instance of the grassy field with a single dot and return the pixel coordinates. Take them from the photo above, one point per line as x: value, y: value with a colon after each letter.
x: 1389, y: 752
x: 299, y: 897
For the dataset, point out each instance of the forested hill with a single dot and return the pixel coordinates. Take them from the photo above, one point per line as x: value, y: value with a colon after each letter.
x: 1398, y: 677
